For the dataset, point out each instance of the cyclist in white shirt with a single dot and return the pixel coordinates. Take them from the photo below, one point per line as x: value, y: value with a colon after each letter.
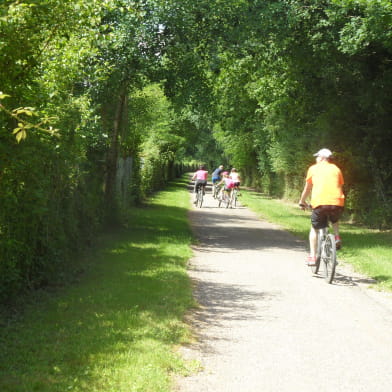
x: 234, y: 175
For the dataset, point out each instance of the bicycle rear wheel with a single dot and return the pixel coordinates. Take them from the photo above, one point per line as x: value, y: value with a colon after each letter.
x: 227, y: 200
x: 217, y: 192
x: 200, y: 197
x: 329, y: 258
x: 234, y: 200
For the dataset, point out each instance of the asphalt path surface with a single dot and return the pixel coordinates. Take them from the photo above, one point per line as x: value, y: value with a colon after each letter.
x: 266, y: 324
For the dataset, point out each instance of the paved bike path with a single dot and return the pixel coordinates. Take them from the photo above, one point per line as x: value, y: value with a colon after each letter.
x: 265, y: 324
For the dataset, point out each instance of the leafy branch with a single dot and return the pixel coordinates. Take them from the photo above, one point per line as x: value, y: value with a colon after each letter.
x: 25, y: 125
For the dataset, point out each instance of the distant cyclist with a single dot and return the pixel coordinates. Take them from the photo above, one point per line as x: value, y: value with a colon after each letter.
x: 324, y: 181
x: 234, y: 175
x: 228, y: 185
x: 201, y: 180
x: 217, y: 174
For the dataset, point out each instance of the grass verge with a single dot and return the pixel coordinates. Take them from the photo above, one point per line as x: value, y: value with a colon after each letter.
x: 369, y: 251
x: 117, y: 328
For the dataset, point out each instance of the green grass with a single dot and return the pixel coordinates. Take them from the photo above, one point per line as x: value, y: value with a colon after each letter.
x: 117, y: 329
x: 369, y: 251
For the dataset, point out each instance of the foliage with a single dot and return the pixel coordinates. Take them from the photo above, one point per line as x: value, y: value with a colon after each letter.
x: 260, y: 85
x: 74, y: 67
x: 281, y: 79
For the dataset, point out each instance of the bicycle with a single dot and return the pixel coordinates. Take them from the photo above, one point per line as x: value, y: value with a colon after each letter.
x: 199, y: 195
x: 215, y: 190
x: 325, y: 253
x: 234, y: 197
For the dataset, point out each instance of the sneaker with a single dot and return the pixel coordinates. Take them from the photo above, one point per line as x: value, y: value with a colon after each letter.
x: 311, y: 261
x: 338, y: 242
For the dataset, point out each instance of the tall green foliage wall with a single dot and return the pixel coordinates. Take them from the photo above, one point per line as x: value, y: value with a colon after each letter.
x: 75, y: 67
x: 283, y: 79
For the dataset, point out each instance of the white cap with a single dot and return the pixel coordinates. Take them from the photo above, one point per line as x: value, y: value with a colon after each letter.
x: 323, y: 153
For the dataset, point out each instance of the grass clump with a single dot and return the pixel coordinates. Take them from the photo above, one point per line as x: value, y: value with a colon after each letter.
x: 116, y: 329
x: 368, y: 250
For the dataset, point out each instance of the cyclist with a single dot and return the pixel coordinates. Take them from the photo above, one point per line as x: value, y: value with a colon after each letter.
x: 216, y: 174
x: 234, y: 175
x: 201, y: 180
x: 324, y: 181
x: 228, y: 185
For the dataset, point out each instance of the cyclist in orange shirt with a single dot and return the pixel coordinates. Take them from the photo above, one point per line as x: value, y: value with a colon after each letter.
x: 324, y: 181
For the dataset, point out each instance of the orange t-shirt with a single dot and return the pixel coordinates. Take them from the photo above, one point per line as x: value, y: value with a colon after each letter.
x: 327, y: 181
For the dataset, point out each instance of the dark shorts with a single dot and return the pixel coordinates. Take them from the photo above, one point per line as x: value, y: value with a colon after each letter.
x: 321, y: 215
x: 198, y: 183
x: 215, y: 179
x: 237, y: 184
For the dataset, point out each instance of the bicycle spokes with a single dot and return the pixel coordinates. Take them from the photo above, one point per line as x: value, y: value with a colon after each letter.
x: 329, y: 257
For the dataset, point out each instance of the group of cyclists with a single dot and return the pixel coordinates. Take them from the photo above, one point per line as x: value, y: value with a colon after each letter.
x: 226, y: 181
x: 324, y: 184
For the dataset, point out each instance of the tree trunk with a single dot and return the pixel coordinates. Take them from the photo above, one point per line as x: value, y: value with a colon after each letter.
x: 112, y: 156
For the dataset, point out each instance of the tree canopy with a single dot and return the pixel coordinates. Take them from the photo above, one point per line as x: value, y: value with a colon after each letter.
x: 102, y: 102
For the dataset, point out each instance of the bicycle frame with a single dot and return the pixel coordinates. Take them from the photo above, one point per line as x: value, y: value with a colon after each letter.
x: 326, y: 254
x: 199, y: 195
x: 215, y: 190
x: 226, y: 198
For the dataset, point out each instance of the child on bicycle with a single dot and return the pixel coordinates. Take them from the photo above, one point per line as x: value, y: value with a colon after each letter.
x: 228, y: 185
x: 235, y: 176
x: 200, y: 176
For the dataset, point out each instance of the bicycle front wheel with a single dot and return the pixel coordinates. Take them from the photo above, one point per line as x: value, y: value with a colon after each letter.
x: 329, y: 258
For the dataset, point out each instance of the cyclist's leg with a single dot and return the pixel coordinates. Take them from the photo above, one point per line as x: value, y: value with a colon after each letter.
x: 229, y: 196
x: 335, y: 214
x: 223, y: 192
x: 319, y: 220
x: 338, y: 240
x: 312, y: 241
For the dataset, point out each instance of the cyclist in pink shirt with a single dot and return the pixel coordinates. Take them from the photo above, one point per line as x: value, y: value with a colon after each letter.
x: 201, y: 180
x: 228, y: 184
